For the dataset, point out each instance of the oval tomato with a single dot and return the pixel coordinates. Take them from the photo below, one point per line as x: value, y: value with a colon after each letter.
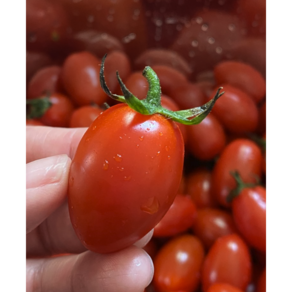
x: 137, y: 84
x: 228, y: 261
x: 124, y: 177
x: 80, y: 79
x: 212, y: 223
x: 249, y: 213
x: 84, y: 116
x: 178, y: 263
x: 206, y: 139
x: 198, y: 186
x: 180, y: 216
x: 242, y: 155
x: 223, y: 287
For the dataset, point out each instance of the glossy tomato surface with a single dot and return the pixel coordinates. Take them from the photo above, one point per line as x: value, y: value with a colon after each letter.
x: 124, y: 177
x: 178, y: 264
x: 228, y: 261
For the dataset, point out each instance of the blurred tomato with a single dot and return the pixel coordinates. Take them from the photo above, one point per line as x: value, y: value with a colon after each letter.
x: 84, y: 116
x: 180, y: 217
x: 211, y: 224
x: 178, y: 263
x: 223, y: 287
x: 228, y: 261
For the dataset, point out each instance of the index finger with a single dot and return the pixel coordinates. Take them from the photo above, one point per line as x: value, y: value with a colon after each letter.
x: 43, y: 141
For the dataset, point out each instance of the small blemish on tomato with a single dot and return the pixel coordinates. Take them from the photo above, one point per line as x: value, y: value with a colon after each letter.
x: 94, y: 127
x: 105, y: 165
x: 127, y: 178
x: 151, y: 206
x: 118, y: 157
x: 141, y: 138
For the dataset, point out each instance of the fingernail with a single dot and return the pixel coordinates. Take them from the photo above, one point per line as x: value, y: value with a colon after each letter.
x: 46, y: 171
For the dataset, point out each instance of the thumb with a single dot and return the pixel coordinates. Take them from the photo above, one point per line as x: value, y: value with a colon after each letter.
x: 46, y: 188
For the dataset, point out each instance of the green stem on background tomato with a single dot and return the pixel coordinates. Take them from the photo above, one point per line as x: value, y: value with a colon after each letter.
x: 240, y: 186
x: 37, y: 107
x: 152, y: 103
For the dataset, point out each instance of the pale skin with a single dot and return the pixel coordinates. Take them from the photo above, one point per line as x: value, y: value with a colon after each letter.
x: 49, y: 152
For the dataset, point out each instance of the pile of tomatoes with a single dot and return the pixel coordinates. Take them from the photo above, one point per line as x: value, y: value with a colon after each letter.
x: 213, y: 236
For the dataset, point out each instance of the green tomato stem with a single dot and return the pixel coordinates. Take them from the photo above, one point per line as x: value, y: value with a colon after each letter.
x: 37, y: 107
x: 152, y: 103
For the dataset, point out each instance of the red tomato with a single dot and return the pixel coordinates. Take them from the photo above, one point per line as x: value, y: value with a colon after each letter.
x: 116, y: 61
x: 33, y: 122
x: 45, y: 80
x: 262, y: 118
x: 80, y: 79
x: 228, y: 261
x: 211, y: 223
x: 137, y: 84
x: 124, y: 177
x: 169, y: 78
x: 249, y: 213
x: 180, y: 217
x: 84, y: 116
x: 165, y: 57
x: 236, y: 110
x: 223, y: 287
x: 177, y: 265
x: 199, y: 188
x: 242, y: 76
x: 206, y: 139
x: 59, y: 114
x: 188, y: 95
x: 261, y: 285
x: 242, y: 155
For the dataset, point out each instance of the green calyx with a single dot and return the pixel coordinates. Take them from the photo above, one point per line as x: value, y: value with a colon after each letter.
x: 152, y: 103
x: 240, y: 185
x: 37, y: 107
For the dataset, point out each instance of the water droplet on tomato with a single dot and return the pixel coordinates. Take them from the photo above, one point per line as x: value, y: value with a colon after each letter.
x: 168, y: 157
x: 87, y: 140
x: 127, y: 178
x: 211, y: 41
x: 160, y: 134
x: 141, y: 138
x: 105, y: 165
x: 151, y: 206
x: 118, y: 157
x: 121, y: 168
x: 166, y: 148
x: 137, y: 145
x: 158, y: 152
x: 94, y: 127
x: 231, y: 27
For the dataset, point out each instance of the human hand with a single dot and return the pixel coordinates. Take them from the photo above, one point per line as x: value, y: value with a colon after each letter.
x: 49, y: 230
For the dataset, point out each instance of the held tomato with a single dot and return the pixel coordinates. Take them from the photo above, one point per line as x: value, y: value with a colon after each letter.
x: 178, y: 264
x: 124, y: 177
x: 228, y: 261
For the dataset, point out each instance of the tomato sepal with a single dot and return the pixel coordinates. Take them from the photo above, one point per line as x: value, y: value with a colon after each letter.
x: 37, y: 107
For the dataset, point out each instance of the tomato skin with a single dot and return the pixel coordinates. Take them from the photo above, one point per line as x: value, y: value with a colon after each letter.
x: 84, y: 116
x: 59, y: 114
x: 178, y: 264
x: 223, y: 287
x: 228, y: 261
x: 242, y: 155
x: 80, y: 79
x: 44, y: 80
x: 137, y: 84
x: 242, y: 76
x: 236, y: 110
x: 212, y: 223
x: 206, y: 139
x: 180, y: 216
x: 33, y: 122
x: 249, y: 213
x: 113, y: 199
x: 199, y: 188
x: 261, y: 284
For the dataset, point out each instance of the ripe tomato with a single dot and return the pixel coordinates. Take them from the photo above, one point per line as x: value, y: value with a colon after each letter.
x: 212, y: 223
x: 84, y: 116
x: 211, y: 135
x: 178, y: 263
x: 249, y: 213
x: 124, y: 177
x: 228, y: 261
x: 45, y: 80
x: 80, y: 79
x: 137, y: 84
x: 242, y: 155
x: 33, y: 122
x: 59, y: 114
x: 180, y: 217
x: 188, y: 95
x: 236, y: 110
x: 199, y: 188
x: 242, y: 76
x: 223, y: 287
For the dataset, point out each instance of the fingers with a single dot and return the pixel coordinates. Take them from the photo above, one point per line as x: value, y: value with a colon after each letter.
x: 128, y: 270
x: 43, y: 142
x: 46, y: 184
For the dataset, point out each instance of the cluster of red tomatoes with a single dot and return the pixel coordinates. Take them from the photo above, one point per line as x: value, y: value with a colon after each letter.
x: 213, y: 236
